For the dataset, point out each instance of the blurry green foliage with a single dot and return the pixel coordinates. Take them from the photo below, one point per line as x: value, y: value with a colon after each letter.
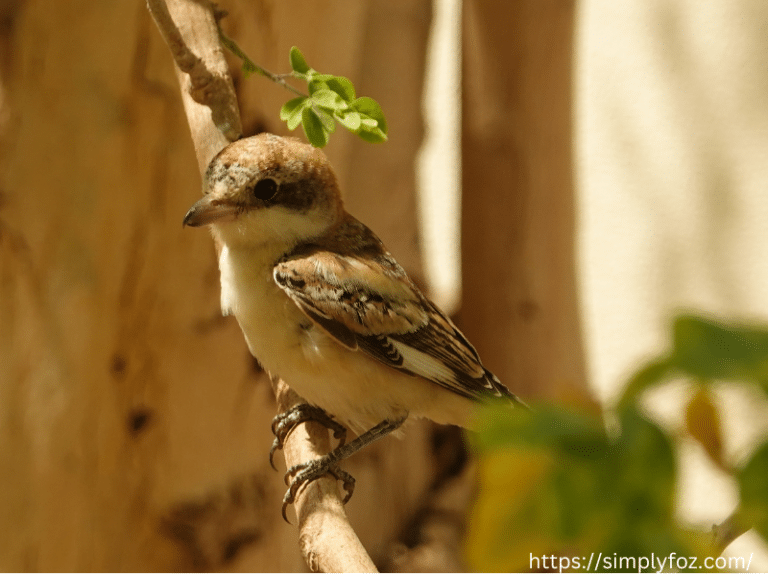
x: 708, y: 350
x: 554, y: 482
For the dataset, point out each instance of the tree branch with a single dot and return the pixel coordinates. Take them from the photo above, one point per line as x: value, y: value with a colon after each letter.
x: 327, y: 540
x: 189, y: 27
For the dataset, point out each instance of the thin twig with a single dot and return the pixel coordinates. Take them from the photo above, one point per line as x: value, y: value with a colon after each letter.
x: 727, y: 531
x: 252, y: 68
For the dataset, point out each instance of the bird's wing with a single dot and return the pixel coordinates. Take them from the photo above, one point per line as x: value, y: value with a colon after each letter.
x: 367, y: 302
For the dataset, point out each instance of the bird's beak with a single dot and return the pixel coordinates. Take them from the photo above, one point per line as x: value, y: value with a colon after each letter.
x: 207, y: 211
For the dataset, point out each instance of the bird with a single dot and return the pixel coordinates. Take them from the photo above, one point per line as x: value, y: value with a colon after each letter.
x: 323, y: 305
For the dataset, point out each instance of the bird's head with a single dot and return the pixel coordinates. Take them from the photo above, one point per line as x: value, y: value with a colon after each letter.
x: 267, y: 189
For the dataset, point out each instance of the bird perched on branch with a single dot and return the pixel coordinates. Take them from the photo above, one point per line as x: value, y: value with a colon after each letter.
x: 325, y: 307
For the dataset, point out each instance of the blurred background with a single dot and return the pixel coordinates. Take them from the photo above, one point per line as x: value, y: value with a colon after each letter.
x: 561, y: 176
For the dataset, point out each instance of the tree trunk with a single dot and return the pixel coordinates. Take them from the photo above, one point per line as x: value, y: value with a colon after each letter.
x: 519, y: 304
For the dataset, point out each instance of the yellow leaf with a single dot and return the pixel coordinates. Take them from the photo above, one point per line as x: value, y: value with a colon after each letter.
x: 702, y: 421
x: 508, y: 478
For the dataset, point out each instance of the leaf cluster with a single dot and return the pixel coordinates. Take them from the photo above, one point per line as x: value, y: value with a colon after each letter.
x: 553, y: 481
x: 708, y: 351
x: 331, y: 99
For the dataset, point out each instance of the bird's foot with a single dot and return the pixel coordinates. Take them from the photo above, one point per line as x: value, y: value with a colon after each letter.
x: 328, y: 464
x: 310, y: 471
x: 283, y: 423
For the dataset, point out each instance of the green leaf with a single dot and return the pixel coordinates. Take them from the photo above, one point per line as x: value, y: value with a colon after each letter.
x: 327, y: 120
x: 313, y: 128
x: 709, y: 350
x: 645, y: 467
x: 343, y: 87
x: 753, y: 484
x: 298, y: 63
x: 371, y: 132
x: 315, y: 76
x: 314, y: 85
x: 350, y: 120
x: 552, y: 480
x: 649, y: 375
x: 329, y: 99
x: 548, y: 426
x: 291, y: 111
x: 370, y: 108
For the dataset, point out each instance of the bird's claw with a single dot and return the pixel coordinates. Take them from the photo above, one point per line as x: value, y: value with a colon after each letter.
x: 310, y: 471
x: 283, y: 423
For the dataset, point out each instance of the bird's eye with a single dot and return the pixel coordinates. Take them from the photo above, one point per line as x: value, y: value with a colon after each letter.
x: 265, y: 189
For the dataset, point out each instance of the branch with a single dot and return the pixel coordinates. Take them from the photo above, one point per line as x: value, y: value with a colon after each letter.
x: 251, y: 67
x: 328, y: 542
x: 727, y: 531
x: 190, y: 29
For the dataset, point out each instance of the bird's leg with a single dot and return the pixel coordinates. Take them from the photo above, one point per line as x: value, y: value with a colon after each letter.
x: 314, y: 469
x: 284, y: 423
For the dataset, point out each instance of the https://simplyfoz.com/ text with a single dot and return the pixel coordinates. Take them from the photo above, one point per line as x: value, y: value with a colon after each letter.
x: 600, y: 562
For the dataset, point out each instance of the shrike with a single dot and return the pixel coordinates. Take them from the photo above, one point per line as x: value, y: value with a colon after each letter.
x: 325, y: 307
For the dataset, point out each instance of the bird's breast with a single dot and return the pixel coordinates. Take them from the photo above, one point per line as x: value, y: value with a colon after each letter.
x: 270, y: 322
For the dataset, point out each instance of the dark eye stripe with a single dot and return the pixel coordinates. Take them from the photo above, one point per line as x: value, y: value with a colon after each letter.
x: 299, y: 196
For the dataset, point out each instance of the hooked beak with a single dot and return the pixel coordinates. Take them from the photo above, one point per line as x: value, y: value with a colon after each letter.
x: 207, y: 211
